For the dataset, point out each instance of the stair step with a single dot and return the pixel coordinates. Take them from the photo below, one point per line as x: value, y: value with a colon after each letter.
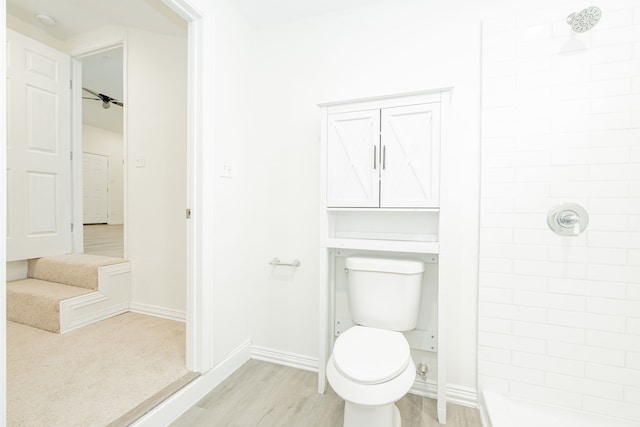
x: 79, y: 270
x: 36, y: 302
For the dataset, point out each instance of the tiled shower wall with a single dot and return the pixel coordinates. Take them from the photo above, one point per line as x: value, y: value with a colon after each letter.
x: 559, y: 317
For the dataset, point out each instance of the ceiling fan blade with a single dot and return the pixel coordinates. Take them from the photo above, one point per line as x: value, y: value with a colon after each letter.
x: 118, y: 103
x: 95, y: 99
x: 92, y: 92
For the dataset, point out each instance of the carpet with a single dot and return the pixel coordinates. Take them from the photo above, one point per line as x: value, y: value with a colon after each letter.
x: 93, y: 375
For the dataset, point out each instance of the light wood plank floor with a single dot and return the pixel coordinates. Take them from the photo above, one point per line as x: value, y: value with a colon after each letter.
x: 103, y: 239
x: 267, y: 395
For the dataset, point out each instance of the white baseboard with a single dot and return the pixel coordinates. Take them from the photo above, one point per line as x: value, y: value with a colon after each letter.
x: 285, y: 358
x: 176, y: 405
x: 153, y: 310
x: 460, y: 395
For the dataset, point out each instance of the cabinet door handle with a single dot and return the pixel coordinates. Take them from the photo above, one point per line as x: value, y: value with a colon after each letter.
x: 384, y: 157
x: 375, y: 156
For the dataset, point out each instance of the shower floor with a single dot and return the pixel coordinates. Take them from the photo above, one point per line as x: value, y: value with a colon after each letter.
x: 500, y: 411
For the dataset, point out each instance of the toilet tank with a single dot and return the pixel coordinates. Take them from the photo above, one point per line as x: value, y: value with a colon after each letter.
x: 385, y: 292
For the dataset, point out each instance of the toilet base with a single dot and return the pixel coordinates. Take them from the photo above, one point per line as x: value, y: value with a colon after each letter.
x: 371, y: 416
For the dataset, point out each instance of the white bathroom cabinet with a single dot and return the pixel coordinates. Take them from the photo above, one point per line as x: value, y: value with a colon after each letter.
x: 384, y: 157
x: 380, y: 196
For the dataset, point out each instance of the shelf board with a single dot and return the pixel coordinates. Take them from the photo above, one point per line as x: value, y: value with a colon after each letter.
x: 384, y: 245
x: 380, y: 210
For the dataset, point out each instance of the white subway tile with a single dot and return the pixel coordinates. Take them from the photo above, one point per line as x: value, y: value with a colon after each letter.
x: 633, y: 327
x: 592, y: 89
x: 633, y: 257
x: 536, y: 237
x: 567, y: 253
x: 626, y: 206
x: 498, y: 53
x: 634, y: 155
x: 614, y: 239
x: 511, y: 312
x: 585, y: 386
x: 613, y: 307
x: 509, y: 372
x: 496, y: 235
x: 614, y: 138
x: 616, y: 18
x: 586, y: 353
x: 510, y: 342
x: 496, y: 355
x: 590, y: 156
x: 632, y: 395
x: 607, y: 407
x: 590, y: 189
x: 634, y: 189
x: 512, y: 281
x: 614, y: 172
x: 633, y: 360
x: 633, y: 291
x: 607, y: 256
x: 603, y: 222
x: 498, y: 326
x: 550, y: 269
x: 532, y: 65
x: 508, y: 67
x: 614, y: 340
x: 546, y: 395
x: 497, y: 295
x: 634, y: 223
x: 552, y: 173
x: 501, y: 250
x: 587, y: 320
x: 496, y: 265
x: 496, y: 205
x: 499, y: 114
x: 491, y: 146
x: 616, y: 374
x: 587, y: 288
x: 548, y: 332
x: 511, y: 220
x: 614, y: 273
x: 547, y: 363
x: 547, y: 300
x: 614, y: 70
x: 614, y: 36
x: 592, y: 122
x: 496, y: 385
x: 499, y: 175
x: 518, y: 159
x: 616, y: 104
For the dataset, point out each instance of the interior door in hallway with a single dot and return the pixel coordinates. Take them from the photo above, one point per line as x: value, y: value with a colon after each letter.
x: 38, y: 149
x: 95, y: 188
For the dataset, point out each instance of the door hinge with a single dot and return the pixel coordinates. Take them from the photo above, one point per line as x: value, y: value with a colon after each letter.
x: 188, y: 213
x: 70, y: 84
x: 70, y: 155
x: 72, y: 227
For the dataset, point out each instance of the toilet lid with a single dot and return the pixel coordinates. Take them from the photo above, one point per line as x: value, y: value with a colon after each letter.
x: 371, y: 355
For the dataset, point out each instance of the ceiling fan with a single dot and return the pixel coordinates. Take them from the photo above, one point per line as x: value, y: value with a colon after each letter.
x: 106, y: 100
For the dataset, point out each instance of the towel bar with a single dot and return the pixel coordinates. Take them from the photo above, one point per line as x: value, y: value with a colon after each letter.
x: 276, y: 261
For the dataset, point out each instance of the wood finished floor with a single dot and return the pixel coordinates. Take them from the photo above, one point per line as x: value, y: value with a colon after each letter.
x: 103, y: 239
x: 268, y: 395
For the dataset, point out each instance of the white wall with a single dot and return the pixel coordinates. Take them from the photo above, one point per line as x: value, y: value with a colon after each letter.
x: 560, y: 316
x: 385, y: 48
x: 110, y: 144
x: 156, y: 193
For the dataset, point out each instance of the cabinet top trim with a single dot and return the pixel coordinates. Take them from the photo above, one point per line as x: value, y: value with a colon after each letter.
x: 428, y: 95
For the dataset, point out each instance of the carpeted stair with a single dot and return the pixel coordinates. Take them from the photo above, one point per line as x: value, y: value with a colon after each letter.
x: 35, y: 301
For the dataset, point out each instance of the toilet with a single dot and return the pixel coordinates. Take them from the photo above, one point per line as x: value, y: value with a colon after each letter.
x: 371, y: 366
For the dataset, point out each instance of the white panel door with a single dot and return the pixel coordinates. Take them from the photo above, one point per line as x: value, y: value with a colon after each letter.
x: 410, y: 156
x: 353, y: 159
x: 95, y: 188
x: 38, y: 149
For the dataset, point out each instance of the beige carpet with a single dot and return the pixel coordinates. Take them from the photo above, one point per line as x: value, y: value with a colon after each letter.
x: 93, y: 375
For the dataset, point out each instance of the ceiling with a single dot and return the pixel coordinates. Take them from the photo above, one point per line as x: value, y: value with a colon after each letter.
x: 103, y: 71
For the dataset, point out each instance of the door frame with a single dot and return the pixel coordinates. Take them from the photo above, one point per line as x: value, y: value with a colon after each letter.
x: 199, y: 346
x: 105, y: 156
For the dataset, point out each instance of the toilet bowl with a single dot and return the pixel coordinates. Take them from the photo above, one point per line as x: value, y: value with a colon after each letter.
x: 371, y: 369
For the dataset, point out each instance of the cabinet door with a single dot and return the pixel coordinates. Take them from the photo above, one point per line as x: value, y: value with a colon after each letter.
x: 353, y: 140
x: 410, y: 156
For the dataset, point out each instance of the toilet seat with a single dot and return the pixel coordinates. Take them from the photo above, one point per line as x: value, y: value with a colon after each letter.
x: 370, y: 355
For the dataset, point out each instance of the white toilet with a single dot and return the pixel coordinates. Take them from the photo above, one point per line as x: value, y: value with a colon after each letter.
x: 371, y: 366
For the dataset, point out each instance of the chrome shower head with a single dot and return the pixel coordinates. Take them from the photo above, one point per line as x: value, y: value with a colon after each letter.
x: 584, y: 20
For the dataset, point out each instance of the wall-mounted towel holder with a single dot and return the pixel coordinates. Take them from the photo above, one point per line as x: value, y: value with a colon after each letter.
x: 276, y: 261
x: 568, y: 219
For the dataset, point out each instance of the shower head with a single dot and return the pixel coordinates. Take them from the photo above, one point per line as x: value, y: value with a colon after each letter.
x: 584, y: 20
